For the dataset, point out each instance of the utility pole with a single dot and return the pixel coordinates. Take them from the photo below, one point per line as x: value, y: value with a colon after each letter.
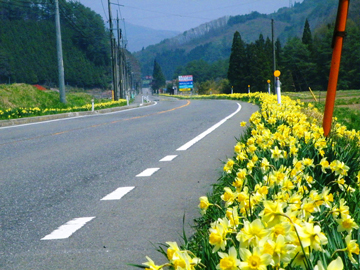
x: 274, y: 55
x: 121, y: 87
x: 116, y: 69
x: 113, y: 63
x: 59, y: 54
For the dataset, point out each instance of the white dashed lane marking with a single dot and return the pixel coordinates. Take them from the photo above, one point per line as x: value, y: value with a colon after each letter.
x: 69, y: 228
x: 168, y: 158
x: 187, y: 145
x: 148, y: 172
x: 66, y: 230
x: 117, y: 194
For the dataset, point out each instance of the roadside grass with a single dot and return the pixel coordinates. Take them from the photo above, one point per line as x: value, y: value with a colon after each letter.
x: 288, y: 199
x: 347, y: 105
x: 23, y: 100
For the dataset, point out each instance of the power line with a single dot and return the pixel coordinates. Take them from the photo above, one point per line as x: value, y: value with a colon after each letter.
x: 104, y: 10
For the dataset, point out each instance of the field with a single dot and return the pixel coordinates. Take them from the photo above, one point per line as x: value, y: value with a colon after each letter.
x: 347, y: 105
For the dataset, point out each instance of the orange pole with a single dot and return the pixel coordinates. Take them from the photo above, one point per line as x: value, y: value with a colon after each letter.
x: 337, y: 45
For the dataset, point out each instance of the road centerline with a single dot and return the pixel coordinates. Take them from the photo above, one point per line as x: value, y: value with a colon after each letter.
x: 66, y: 230
x: 148, y: 172
x: 168, y: 158
x: 190, y: 143
x: 117, y: 194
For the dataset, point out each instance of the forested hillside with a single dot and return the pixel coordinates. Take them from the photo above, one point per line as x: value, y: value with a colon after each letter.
x: 28, y: 44
x: 303, y: 65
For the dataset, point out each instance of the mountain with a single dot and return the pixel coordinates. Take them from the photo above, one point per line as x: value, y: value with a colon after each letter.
x: 139, y: 37
x: 212, y: 41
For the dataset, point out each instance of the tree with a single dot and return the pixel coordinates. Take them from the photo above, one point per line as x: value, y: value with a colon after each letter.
x: 298, y: 62
x: 307, y: 37
x: 237, y: 62
x: 158, y: 77
x: 4, y: 67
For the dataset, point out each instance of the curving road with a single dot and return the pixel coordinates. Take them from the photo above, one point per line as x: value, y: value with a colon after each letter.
x: 95, y: 192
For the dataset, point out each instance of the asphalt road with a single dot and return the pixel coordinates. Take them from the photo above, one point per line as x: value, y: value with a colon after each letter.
x: 76, y: 193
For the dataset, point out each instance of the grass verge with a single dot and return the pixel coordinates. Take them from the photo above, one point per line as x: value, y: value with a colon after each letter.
x: 22, y: 100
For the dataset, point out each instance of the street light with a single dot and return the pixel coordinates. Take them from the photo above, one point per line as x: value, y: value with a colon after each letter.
x: 277, y: 74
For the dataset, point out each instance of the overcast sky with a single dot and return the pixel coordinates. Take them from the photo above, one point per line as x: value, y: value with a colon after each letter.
x: 181, y: 15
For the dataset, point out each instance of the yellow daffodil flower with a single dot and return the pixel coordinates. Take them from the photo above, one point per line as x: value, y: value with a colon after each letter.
x: 204, y: 204
x: 252, y: 233
x: 311, y: 236
x: 229, y: 166
x: 264, y: 165
x: 256, y: 260
x: 351, y: 247
x: 272, y: 213
x: 346, y: 223
x: 218, y: 232
x: 232, y: 215
x: 342, y: 210
x: 228, y: 196
x: 276, y: 153
x: 228, y: 261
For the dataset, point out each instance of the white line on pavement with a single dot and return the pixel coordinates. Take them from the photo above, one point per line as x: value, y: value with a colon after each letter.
x: 148, y: 172
x: 117, y: 194
x: 66, y: 230
x: 168, y: 158
x: 187, y: 145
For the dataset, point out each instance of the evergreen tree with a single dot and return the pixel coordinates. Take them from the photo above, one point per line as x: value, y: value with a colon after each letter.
x: 259, y: 59
x: 158, y: 77
x: 299, y: 63
x: 237, y: 63
x: 307, y: 37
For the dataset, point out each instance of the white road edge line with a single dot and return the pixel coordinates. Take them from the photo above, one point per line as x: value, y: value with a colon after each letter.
x: 168, y: 158
x: 187, y: 145
x: 117, y: 194
x: 66, y: 230
x: 75, y: 117
x: 148, y: 172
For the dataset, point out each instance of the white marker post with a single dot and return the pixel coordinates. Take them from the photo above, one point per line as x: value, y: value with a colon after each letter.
x: 268, y: 81
x: 277, y: 74
x: 92, y: 105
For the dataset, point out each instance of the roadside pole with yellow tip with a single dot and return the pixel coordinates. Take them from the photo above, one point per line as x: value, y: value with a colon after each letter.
x: 277, y: 74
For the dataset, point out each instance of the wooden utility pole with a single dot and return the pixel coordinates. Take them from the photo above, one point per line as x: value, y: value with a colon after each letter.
x: 59, y: 54
x: 121, y: 87
x: 337, y: 44
x: 113, y: 60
